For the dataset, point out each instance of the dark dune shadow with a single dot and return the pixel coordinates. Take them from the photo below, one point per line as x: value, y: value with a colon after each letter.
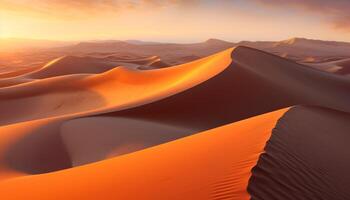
x: 307, y: 157
x: 39, y: 152
x: 92, y: 139
x: 255, y: 83
x: 44, y: 101
x: 62, y: 145
x: 345, y: 70
x: 233, y: 95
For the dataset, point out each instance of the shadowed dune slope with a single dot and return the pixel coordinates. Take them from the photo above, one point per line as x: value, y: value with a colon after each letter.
x: 18, y: 72
x: 254, y: 86
x: 117, y: 117
x: 32, y: 148
x: 105, y: 137
x: 341, y: 67
x: 345, y: 64
x: 214, y: 164
x: 115, y: 89
x: 302, y: 49
x: 307, y: 157
x: 43, y: 146
x: 256, y: 82
x: 182, y: 100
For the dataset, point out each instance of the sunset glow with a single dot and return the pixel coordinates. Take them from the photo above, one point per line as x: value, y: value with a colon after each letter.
x: 169, y: 20
x: 174, y: 99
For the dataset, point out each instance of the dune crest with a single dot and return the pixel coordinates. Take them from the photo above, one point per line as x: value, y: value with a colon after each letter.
x: 214, y: 128
x: 193, y: 157
x: 115, y: 89
x: 300, y: 157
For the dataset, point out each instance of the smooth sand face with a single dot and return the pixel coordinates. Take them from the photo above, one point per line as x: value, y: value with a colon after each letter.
x: 308, y: 154
x: 115, y: 89
x: 71, y: 96
x: 209, y: 165
x: 341, y: 67
x: 96, y: 138
x: 185, y: 132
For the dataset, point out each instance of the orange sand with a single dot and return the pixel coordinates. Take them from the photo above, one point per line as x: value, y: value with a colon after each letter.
x: 211, y: 165
x: 39, y: 159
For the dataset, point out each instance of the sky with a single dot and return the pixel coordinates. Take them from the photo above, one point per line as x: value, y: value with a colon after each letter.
x: 175, y: 20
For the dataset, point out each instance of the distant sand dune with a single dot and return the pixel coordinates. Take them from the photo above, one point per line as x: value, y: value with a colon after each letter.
x: 214, y: 128
x: 341, y: 67
x: 68, y: 65
x: 86, y: 93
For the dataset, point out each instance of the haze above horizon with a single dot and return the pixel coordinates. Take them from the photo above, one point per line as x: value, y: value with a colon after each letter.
x: 174, y: 20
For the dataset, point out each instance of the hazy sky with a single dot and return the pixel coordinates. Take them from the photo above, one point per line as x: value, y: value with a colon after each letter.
x: 175, y: 20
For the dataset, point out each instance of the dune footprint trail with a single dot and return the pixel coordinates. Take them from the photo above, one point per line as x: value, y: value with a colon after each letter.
x: 216, y: 128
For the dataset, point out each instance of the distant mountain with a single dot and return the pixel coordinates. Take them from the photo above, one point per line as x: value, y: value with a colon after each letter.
x: 297, y: 49
x: 98, y: 46
x: 170, y: 53
x: 214, y: 41
x: 140, y: 42
x: 302, y: 49
x: 304, y: 41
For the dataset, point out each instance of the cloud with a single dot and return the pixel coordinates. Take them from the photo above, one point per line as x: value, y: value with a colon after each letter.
x: 337, y: 11
x: 82, y: 8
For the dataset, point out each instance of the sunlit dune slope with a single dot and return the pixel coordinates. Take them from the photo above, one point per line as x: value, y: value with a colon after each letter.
x: 118, y: 88
x: 13, y: 81
x: 86, y: 65
x: 253, y: 86
x: 48, y: 145
x: 191, y: 131
x: 256, y: 82
x: 197, y: 96
x: 72, y: 65
x: 214, y: 164
x: 68, y: 65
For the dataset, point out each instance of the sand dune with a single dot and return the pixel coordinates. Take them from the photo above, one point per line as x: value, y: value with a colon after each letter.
x: 215, y: 128
x: 118, y: 88
x: 78, y: 65
x: 304, y: 50
x: 253, y: 86
x: 169, y: 53
x: 72, y: 65
x: 18, y: 72
x: 301, y: 155
x: 296, y: 49
x: 183, y: 169
x: 269, y: 83
x: 341, y: 67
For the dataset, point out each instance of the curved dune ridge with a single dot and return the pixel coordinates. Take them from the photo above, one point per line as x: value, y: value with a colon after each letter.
x: 67, y: 65
x: 165, y: 169
x: 115, y: 89
x: 228, y: 126
x: 341, y: 67
x: 301, y: 155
